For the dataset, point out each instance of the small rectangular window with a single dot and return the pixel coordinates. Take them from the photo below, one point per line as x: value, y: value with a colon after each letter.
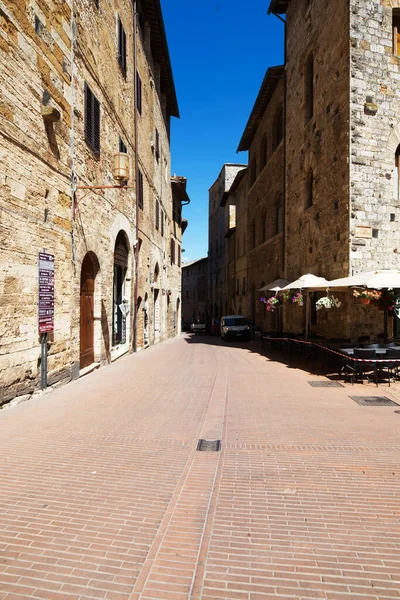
x: 309, y: 88
x: 157, y: 214
x: 396, y: 31
x: 138, y: 93
x: 172, y: 251
x: 157, y: 148
x: 121, y: 46
x: 140, y: 188
x: 122, y: 147
x: 92, y: 120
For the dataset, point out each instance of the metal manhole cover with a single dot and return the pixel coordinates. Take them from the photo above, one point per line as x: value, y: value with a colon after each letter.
x: 209, y: 445
x: 373, y: 401
x: 325, y: 384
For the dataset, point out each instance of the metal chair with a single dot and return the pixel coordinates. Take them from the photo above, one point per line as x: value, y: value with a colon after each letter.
x: 362, y: 368
x: 392, y: 368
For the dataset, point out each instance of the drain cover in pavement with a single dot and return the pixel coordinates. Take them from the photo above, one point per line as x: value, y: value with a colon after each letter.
x: 209, y: 445
x: 373, y: 401
x: 325, y: 384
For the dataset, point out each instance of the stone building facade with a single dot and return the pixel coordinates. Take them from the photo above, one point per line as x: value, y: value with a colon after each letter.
x: 218, y: 250
x: 194, y: 291
x: 80, y: 83
x: 342, y: 147
x: 263, y: 139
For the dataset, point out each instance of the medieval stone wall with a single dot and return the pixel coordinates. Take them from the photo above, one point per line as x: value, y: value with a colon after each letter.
x: 265, y: 209
x: 317, y: 236
x: 375, y: 136
x: 35, y: 195
x: 47, y: 56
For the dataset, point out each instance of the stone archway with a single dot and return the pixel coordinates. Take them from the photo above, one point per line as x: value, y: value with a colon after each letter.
x: 89, y: 270
x: 121, y: 296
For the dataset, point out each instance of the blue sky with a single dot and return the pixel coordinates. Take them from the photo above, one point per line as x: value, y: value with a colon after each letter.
x: 220, y: 50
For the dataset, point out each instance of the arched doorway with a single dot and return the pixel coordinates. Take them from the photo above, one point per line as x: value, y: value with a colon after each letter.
x: 88, y: 275
x: 145, y: 321
x: 120, y: 301
x: 157, y: 320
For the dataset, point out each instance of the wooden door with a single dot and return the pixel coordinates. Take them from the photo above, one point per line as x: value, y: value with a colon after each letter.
x: 87, y: 310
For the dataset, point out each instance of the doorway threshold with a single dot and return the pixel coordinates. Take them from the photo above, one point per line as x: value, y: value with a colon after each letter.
x: 89, y: 369
x: 119, y: 351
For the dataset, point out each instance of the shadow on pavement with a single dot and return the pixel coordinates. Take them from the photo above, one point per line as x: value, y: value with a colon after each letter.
x: 308, y: 362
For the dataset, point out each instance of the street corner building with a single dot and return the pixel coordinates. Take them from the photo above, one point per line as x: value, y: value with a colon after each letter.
x: 90, y: 219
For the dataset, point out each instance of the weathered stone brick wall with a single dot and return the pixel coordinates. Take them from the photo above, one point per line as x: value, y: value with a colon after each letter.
x: 39, y: 43
x: 317, y: 238
x: 35, y: 199
x: 264, y: 242
x: 375, y: 136
x: 241, y: 305
x: 194, y: 290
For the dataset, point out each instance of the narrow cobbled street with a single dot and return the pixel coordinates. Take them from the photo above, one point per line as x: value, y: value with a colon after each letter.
x: 104, y: 494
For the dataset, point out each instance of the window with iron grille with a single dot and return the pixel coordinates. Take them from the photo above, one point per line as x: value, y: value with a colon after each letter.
x: 172, y: 251
x: 122, y: 147
x: 157, y: 150
x: 140, y: 188
x: 138, y: 93
x: 179, y: 256
x: 92, y: 120
x: 121, y: 46
x: 162, y: 222
x: 157, y: 214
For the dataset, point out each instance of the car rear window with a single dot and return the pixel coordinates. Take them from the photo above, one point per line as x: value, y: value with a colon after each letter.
x: 235, y: 321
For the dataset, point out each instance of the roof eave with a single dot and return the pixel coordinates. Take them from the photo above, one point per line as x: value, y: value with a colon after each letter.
x: 278, y: 7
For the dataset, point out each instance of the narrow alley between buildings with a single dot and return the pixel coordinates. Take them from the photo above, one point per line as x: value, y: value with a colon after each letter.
x: 104, y: 495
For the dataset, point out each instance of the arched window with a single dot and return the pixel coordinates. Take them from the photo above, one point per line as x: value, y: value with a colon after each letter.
x: 253, y: 234
x: 253, y: 170
x: 396, y: 174
x: 308, y: 189
x: 396, y: 31
x: 263, y: 152
x: 278, y: 129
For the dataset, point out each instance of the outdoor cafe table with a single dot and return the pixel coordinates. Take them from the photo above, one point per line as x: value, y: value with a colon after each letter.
x: 381, y: 352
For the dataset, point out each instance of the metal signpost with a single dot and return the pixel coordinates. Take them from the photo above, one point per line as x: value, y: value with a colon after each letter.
x: 46, y: 307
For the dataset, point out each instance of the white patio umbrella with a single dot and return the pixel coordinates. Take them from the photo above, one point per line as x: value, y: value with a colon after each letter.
x: 381, y: 279
x: 275, y: 286
x: 308, y: 282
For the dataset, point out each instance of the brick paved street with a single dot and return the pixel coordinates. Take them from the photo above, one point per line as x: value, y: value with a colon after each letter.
x: 103, y: 494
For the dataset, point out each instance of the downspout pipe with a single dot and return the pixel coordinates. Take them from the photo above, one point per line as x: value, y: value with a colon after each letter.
x: 283, y: 264
x: 135, y: 112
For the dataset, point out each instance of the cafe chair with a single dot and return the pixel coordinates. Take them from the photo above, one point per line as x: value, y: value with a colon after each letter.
x: 364, y: 368
x: 391, y: 368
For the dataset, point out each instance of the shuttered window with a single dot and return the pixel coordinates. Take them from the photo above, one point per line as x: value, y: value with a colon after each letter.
x: 138, y: 93
x: 140, y: 188
x: 157, y: 214
x: 172, y: 251
x: 157, y: 145
x: 122, y: 146
x: 92, y: 120
x: 121, y: 46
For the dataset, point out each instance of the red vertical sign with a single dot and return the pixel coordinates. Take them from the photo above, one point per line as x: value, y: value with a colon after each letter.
x: 46, y: 292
